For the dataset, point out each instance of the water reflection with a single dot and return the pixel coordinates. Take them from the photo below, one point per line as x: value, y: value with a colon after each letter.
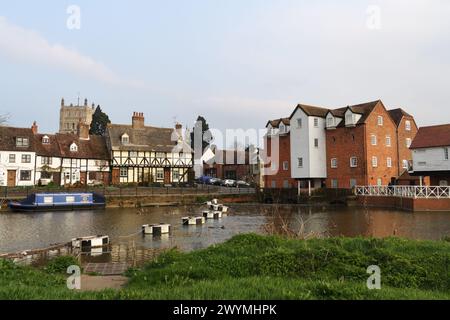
x: 36, y: 230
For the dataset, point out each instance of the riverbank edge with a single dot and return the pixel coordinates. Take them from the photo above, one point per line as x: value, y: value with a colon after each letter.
x: 253, y: 266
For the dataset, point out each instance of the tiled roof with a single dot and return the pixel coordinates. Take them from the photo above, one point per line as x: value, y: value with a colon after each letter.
x: 143, y: 139
x: 433, y: 136
x: 313, y: 110
x: 8, y: 137
x: 275, y: 123
x: 94, y: 148
x: 398, y: 114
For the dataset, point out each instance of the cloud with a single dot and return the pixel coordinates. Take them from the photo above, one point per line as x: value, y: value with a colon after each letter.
x: 25, y: 45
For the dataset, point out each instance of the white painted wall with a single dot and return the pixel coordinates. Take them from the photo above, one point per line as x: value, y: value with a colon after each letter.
x: 302, y: 145
x: 430, y: 159
x: 18, y: 166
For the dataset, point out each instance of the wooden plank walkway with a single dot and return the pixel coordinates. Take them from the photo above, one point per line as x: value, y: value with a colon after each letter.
x: 106, y: 269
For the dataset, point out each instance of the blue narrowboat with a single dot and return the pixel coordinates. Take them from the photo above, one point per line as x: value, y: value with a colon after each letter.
x: 59, y: 201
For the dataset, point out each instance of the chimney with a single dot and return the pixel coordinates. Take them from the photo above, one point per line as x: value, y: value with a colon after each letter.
x: 138, y: 120
x: 34, y: 128
x: 62, y: 102
x: 83, y: 130
x: 85, y: 102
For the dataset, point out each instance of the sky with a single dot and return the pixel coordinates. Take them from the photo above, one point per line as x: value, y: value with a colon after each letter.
x: 237, y: 63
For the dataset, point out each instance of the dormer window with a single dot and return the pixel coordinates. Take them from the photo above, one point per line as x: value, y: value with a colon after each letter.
x: 282, y: 128
x: 45, y: 140
x: 125, y: 139
x: 22, y: 142
x: 73, y: 147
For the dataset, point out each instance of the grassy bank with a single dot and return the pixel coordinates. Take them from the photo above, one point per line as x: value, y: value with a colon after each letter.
x: 265, y: 267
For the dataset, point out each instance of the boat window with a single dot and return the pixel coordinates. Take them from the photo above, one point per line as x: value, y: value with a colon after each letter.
x: 70, y: 199
x: 48, y: 199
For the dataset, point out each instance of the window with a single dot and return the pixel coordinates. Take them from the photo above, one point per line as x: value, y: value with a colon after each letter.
x: 300, y: 162
x: 299, y: 123
x: 374, y: 162
x: 353, y: 162
x: 443, y: 183
x: 73, y: 147
x: 124, y: 172
x: 12, y: 158
x: 316, y: 122
x: 408, y: 142
x: 349, y: 119
x: 334, y: 183
x: 353, y: 183
x: 274, y: 184
x: 379, y: 182
x: 175, y: 175
x: 380, y: 120
x: 388, y: 141
x: 46, y: 160
x: 406, y: 164
x: 373, y: 140
x: 133, y: 154
x: 125, y: 139
x: 159, y: 174
x: 70, y: 199
x: 22, y: 142
x: 334, y: 163
x: 316, y: 143
x: 389, y: 162
x: 45, y: 140
x: 26, y: 158
x: 408, y: 125
x: 285, y: 184
x: 25, y: 175
x: 330, y: 122
x: 285, y: 165
x: 273, y: 166
x: 445, y: 153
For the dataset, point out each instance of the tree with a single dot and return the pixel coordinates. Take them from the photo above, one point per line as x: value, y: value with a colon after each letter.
x: 206, y: 137
x: 4, y: 119
x: 99, y: 122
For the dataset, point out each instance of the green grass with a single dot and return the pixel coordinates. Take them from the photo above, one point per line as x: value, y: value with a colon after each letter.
x: 264, y: 267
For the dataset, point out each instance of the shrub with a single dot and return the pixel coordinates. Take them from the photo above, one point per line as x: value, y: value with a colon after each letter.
x: 60, y: 264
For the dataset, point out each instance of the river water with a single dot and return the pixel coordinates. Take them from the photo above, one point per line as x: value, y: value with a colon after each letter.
x: 20, y: 232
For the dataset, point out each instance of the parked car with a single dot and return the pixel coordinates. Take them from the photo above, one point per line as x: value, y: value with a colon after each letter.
x: 229, y: 183
x: 242, y: 184
x: 204, y: 180
x: 215, y: 181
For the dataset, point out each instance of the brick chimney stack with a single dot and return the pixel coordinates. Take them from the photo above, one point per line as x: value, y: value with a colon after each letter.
x: 34, y: 128
x: 138, y: 120
x: 83, y: 130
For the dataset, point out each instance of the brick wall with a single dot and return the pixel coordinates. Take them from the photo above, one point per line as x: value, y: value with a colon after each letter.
x: 404, y: 153
x: 407, y: 204
x: 381, y: 151
x: 282, y: 178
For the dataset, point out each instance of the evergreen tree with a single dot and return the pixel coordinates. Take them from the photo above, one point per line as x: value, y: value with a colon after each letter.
x: 206, y: 134
x: 99, y: 122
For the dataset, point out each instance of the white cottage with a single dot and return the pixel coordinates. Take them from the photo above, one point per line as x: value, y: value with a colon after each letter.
x: 17, y: 157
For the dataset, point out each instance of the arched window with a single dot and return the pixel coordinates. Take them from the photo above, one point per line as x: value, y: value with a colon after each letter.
x: 45, y: 140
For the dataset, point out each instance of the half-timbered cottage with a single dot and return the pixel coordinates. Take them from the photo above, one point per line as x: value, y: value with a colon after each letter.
x: 144, y: 154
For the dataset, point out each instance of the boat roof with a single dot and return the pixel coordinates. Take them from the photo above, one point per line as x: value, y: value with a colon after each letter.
x: 62, y: 193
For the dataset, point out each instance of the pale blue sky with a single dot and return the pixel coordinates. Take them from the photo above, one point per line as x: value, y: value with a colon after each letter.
x: 238, y: 63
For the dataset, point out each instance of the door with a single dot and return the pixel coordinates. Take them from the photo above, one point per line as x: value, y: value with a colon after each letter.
x: 166, y: 175
x: 11, y: 178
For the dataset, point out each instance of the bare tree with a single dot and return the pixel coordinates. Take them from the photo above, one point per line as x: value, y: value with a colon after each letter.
x: 4, y: 119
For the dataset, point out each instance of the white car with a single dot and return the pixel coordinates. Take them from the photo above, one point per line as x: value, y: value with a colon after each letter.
x: 229, y: 183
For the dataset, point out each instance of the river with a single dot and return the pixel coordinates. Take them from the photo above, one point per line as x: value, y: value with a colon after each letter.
x: 20, y: 232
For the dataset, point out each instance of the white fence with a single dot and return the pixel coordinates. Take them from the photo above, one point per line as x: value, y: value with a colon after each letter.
x: 404, y: 191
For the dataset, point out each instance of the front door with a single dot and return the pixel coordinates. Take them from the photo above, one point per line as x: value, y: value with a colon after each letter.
x: 166, y: 175
x: 11, y: 178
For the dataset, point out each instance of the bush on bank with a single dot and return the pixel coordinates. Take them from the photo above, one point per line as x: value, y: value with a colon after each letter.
x: 266, y: 267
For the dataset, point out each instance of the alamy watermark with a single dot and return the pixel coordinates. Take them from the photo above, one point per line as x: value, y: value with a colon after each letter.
x: 373, y: 21
x: 374, y: 280
x: 74, y: 280
x: 74, y: 20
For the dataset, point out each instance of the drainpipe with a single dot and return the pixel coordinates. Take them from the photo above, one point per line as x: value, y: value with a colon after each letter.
x: 309, y: 187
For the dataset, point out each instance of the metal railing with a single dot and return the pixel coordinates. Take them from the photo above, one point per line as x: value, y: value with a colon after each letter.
x: 425, y: 192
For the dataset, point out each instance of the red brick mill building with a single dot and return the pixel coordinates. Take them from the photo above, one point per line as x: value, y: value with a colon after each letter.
x: 365, y: 144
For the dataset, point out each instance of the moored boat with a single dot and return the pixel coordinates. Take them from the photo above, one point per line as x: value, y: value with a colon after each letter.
x: 59, y: 201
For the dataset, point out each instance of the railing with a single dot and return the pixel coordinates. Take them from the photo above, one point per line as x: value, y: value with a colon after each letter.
x: 415, y: 192
x: 126, y: 191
